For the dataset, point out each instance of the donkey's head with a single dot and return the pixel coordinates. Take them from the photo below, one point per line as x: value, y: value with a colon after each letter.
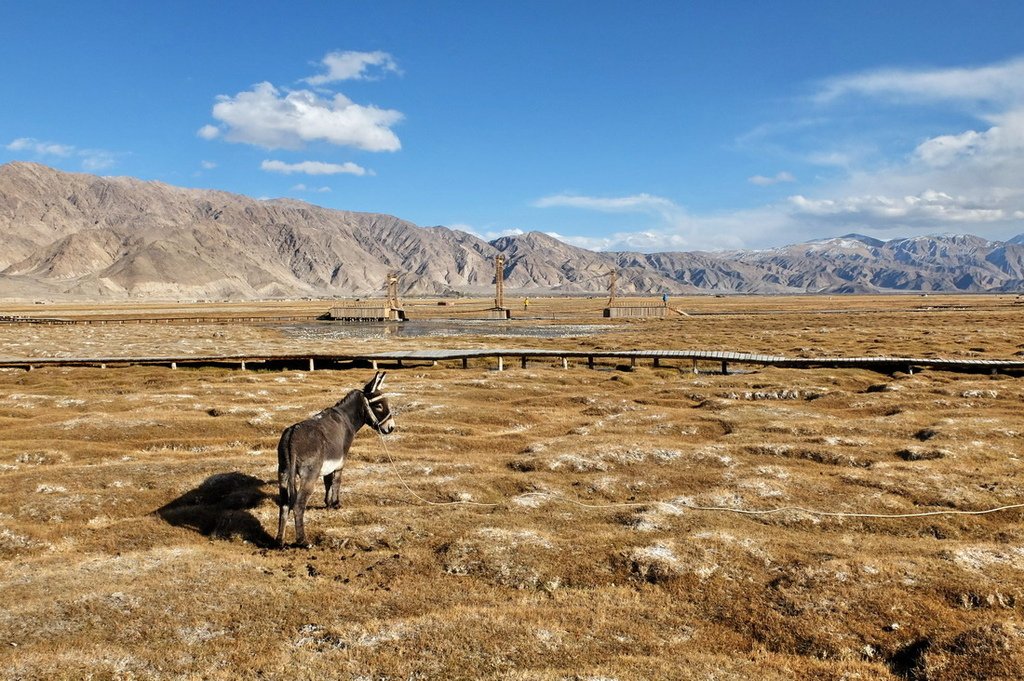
x: 379, y: 411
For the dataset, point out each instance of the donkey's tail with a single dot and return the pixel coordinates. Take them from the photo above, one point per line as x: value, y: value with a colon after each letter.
x: 285, y: 455
x: 285, y: 481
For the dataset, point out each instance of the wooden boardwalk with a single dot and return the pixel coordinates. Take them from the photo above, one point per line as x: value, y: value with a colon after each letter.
x: 695, y: 360
x: 113, y: 321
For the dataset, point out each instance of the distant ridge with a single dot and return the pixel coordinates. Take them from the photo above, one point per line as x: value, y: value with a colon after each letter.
x: 78, y: 236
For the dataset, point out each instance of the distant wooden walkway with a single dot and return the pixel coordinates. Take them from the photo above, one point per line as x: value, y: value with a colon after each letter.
x: 691, y: 359
x: 113, y: 321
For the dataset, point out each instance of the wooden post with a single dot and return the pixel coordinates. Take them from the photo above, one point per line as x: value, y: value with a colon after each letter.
x: 465, y: 362
x: 657, y: 362
x: 632, y: 361
x: 565, y: 363
x: 725, y: 367
x: 311, y: 364
x: 524, y: 361
x: 695, y: 366
x: 400, y: 364
x: 590, y: 362
x: 374, y: 363
x: 501, y: 363
x: 499, y: 281
x: 243, y: 365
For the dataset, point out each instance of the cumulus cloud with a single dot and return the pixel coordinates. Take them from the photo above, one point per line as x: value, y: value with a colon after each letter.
x: 354, y: 66
x: 91, y: 160
x: 275, y: 119
x: 762, y: 181
x: 929, y: 207
x: 208, y: 132
x: 313, y: 168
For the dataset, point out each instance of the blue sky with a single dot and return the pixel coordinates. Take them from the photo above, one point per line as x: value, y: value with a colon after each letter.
x: 615, y: 125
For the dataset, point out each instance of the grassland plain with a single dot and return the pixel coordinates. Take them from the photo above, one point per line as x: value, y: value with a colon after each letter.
x: 135, y: 506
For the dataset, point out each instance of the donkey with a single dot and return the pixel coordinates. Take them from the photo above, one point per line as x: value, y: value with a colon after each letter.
x: 317, y: 447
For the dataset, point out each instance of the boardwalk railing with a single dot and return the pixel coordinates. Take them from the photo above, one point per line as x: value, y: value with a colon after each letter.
x: 400, y: 358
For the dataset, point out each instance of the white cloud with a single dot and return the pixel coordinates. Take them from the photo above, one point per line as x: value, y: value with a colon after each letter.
x: 354, y: 66
x: 673, y: 228
x: 835, y: 159
x: 928, y: 208
x: 92, y: 160
x: 1000, y: 145
x: 208, y: 132
x: 267, y: 117
x: 40, y: 148
x: 665, y: 209
x: 1000, y: 82
x: 313, y: 168
x: 762, y: 181
x: 491, y: 235
x: 303, y: 188
x: 621, y: 204
x: 207, y: 165
x: 96, y: 159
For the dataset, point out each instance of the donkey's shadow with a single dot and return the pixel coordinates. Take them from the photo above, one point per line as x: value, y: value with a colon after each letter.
x: 219, y: 507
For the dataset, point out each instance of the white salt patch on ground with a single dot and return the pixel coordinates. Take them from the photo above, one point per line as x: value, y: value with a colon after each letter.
x: 577, y: 464
x: 203, y: 633
x: 514, y: 537
x: 762, y: 489
x: 979, y: 558
x: 12, y: 540
x: 530, y: 500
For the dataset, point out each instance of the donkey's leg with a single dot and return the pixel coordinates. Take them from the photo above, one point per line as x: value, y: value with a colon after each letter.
x: 282, y: 516
x: 304, y: 489
x: 332, y: 490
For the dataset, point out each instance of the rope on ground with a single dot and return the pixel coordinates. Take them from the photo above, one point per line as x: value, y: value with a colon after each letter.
x: 692, y: 507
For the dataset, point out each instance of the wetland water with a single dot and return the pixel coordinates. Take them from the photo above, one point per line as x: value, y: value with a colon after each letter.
x: 440, y: 329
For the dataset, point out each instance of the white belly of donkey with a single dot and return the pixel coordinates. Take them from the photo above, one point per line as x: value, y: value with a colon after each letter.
x: 331, y: 465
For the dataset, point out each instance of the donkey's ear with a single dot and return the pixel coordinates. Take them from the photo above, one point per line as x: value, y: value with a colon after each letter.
x: 375, y: 383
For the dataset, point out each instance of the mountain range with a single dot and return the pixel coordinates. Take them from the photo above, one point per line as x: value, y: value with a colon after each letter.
x: 76, y: 236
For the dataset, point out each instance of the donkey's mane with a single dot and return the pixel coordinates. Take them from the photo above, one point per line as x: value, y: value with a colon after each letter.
x: 349, y: 399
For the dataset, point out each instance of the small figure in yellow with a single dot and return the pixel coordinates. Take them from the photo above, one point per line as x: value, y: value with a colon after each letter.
x: 526, y: 304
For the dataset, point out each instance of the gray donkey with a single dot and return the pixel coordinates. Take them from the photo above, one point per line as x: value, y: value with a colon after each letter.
x: 317, y: 447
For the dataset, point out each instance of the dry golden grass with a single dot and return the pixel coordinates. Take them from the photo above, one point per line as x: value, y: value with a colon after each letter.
x: 136, y: 503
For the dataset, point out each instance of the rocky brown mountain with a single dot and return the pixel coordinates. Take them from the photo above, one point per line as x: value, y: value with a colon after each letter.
x: 77, y: 236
